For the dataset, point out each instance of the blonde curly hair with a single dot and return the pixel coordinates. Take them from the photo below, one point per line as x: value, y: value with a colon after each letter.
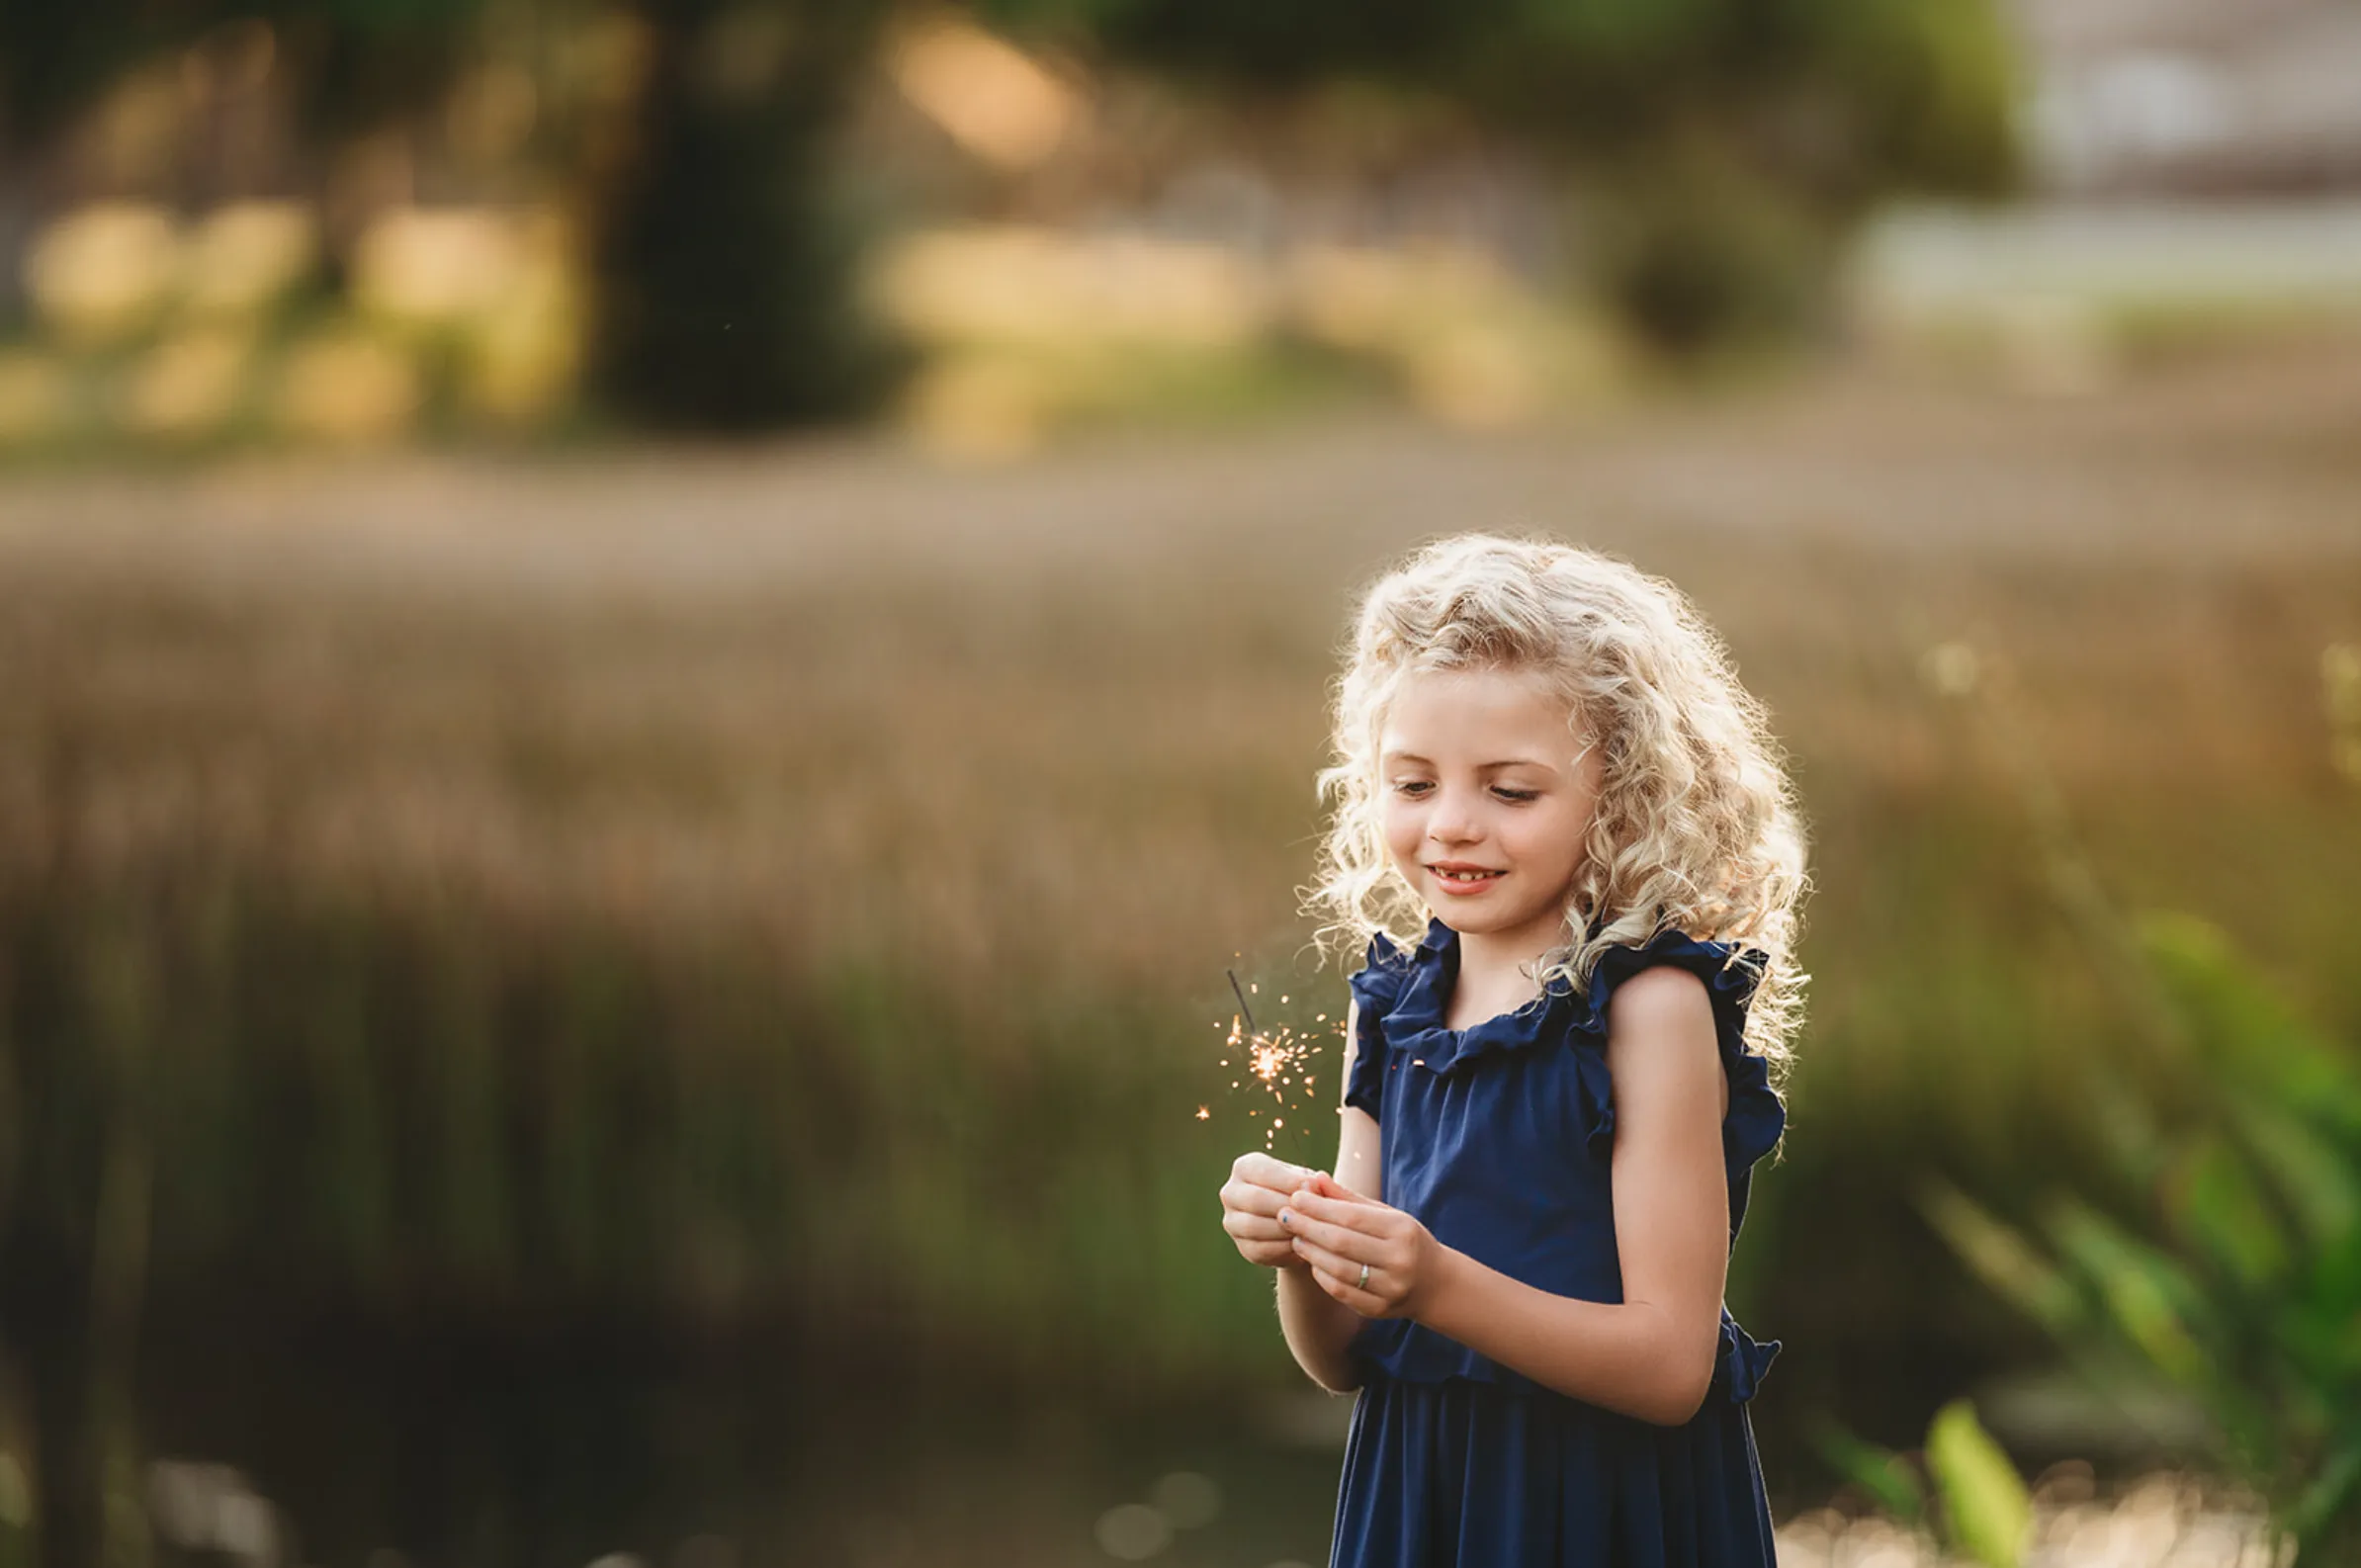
x: 1696, y: 828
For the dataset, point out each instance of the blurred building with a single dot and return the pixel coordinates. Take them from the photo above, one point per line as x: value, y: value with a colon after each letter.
x: 2147, y: 98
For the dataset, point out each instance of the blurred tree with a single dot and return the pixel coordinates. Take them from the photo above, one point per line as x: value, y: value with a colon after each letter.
x: 1721, y: 148
x: 721, y: 266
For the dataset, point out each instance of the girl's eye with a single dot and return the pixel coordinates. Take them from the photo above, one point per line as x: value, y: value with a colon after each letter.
x: 1412, y: 787
x: 1508, y: 794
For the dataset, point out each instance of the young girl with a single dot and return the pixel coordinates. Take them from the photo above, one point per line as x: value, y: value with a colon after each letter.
x: 1554, y: 1097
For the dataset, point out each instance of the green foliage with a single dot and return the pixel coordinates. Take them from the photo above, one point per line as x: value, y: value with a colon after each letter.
x: 1986, y: 1514
x: 1888, y: 1478
x: 1697, y: 249
x: 400, y: 1105
x: 1724, y: 146
x: 2241, y: 1286
x: 1985, y: 1507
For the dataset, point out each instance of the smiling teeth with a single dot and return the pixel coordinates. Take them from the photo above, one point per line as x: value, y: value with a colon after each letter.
x: 1466, y: 876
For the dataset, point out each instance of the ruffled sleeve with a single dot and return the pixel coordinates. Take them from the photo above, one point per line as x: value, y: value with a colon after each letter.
x: 1377, y: 989
x: 1756, y: 1117
x: 1741, y: 1360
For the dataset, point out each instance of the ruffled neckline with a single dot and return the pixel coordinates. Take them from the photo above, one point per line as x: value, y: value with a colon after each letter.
x: 1421, y: 978
x: 1413, y: 1020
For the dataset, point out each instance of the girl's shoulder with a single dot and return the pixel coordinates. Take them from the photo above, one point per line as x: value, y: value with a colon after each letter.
x: 1757, y: 1118
x: 1731, y: 975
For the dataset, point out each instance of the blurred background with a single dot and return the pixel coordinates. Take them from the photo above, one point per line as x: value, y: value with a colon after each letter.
x: 654, y: 655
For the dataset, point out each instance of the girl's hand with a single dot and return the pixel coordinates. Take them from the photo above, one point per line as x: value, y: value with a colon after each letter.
x: 1251, y: 1200
x: 1337, y: 1230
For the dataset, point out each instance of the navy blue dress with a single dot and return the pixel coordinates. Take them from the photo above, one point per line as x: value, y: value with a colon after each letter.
x: 1498, y: 1139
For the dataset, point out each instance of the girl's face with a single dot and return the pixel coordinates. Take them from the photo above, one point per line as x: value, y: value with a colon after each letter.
x: 1486, y: 803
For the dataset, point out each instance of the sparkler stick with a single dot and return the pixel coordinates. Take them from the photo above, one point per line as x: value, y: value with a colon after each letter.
x: 1244, y: 1012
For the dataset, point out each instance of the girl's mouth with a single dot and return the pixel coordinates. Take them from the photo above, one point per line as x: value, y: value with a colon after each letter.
x: 1465, y: 879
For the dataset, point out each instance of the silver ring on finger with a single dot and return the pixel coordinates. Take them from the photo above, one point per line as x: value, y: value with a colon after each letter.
x: 1363, y: 1282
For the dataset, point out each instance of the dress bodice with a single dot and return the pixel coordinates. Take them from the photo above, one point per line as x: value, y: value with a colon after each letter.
x: 1499, y: 1138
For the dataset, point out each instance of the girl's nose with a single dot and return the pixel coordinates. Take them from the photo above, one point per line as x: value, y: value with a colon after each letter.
x: 1452, y: 823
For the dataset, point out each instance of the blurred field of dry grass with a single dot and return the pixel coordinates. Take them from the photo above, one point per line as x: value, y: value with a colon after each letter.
x: 961, y: 754
x: 810, y: 686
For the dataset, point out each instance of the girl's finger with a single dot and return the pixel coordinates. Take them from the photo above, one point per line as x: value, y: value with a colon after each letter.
x: 1253, y: 1200
x: 1339, y: 1239
x: 1266, y: 1171
x: 1321, y: 1257
x: 1344, y: 1289
x: 1328, y: 1186
x: 1363, y: 1217
x: 1254, y: 1227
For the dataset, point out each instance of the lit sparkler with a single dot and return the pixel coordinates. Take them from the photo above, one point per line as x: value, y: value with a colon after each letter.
x: 1278, y: 1062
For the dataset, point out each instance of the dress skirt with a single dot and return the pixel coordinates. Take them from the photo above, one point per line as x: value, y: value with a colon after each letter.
x: 1447, y: 1474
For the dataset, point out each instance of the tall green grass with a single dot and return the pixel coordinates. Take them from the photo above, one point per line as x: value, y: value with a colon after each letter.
x: 814, y: 916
